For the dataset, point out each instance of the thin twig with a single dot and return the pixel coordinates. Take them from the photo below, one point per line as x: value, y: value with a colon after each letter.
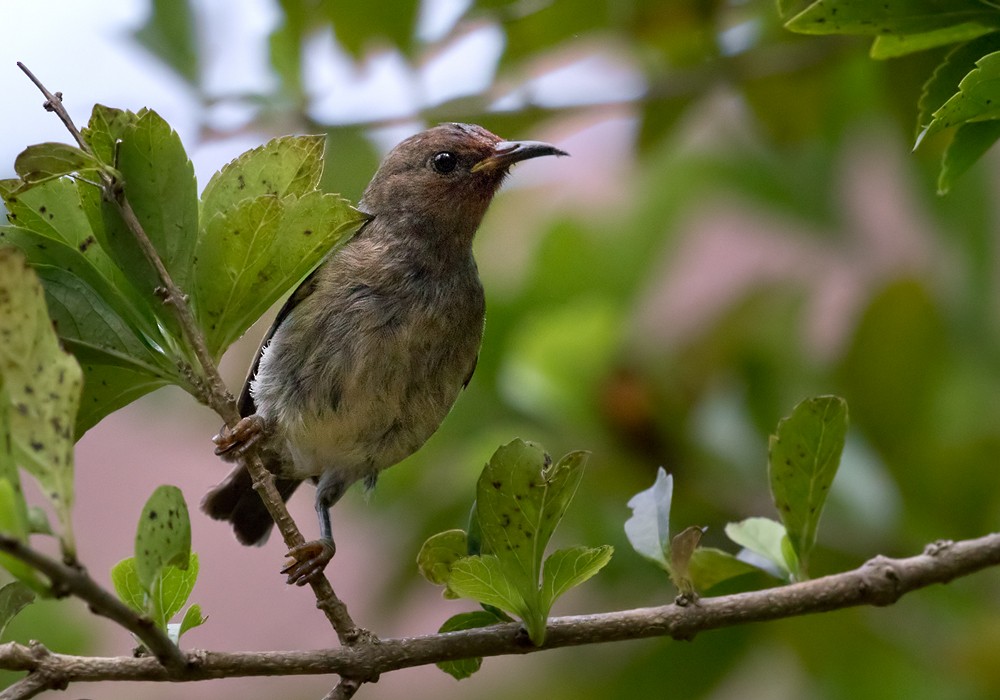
x: 214, y: 394
x: 217, y: 397
x: 879, y: 582
x: 53, y: 103
x: 344, y: 690
x: 76, y: 581
x: 28, y: 687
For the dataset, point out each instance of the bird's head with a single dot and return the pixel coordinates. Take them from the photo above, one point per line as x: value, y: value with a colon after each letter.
x: 442, y: 180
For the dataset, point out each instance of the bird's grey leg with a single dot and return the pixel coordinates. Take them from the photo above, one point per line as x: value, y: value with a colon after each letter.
x: 312, y: 557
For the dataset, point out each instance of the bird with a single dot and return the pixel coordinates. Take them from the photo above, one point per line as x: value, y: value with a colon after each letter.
x: 368, y: 355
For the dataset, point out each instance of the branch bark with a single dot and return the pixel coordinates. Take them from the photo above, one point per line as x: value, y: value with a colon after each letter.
x: 879, y: 582
x: 74, y: 580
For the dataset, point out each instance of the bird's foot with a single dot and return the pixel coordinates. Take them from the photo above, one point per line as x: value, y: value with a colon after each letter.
x: 233, y: 441
x: 310, y: 560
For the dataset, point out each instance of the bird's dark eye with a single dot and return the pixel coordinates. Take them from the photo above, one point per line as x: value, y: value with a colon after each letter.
x: 444, y: 162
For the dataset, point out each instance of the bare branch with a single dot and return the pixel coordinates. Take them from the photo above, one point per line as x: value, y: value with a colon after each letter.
x: 344, y: 690
x: 75, y: 580
x: 28, y: 687
x: 53, y: 103
x: 879, y: 582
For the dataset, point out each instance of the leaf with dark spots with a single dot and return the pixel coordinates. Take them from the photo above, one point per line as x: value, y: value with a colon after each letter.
x: 238, y: 277
x: 800, y: 475
x: 155, y: 547
x: 42, y: 384
x: 520, y: 499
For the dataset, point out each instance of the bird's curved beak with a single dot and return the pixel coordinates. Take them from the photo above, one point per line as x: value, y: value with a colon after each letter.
x: 506, y: 153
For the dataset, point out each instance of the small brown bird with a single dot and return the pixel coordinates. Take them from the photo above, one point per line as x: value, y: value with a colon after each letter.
x: 368, y: 355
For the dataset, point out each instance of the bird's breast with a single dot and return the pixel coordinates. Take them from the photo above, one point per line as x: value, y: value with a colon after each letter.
x: 358, y: 379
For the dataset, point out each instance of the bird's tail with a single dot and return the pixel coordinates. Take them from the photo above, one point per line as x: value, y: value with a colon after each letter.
x: 236, y: 501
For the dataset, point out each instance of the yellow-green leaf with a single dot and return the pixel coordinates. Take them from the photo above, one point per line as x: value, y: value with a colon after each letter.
x: 163, y: 537
x: 43, y: 384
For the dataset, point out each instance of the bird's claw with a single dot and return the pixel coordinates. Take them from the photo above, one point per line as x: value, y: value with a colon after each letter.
x: 239, y: 437
x: 310, y: 559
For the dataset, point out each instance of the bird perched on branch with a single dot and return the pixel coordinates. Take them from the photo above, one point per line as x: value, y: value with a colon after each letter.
x: 368, y: 355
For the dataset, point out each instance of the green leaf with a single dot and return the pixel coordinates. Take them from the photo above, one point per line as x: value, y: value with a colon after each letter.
x: 163, y: 537
x: 648, y: 530
x: 171, y: 590
x: 482, y: 578
x: 285, y: 48
x: 889, y: 17
x: 977, y: 99
x: 358, y: 24
x: 785, y: 7
x: 14, y: 597
x: 42, y: 383
x: 65, y: 263
x: 439, y: 553
x: 89, y: 327
x: 100, y: 317
x: 161, y: 187
x: 287, y: 165
x: 170, y: 34
x: 349, y: 144
x: 521, y: 497
x: 763, y: 537
x: 130, y: 590
x: 545, y: 381
x: 265, y: 226
x: 108, y: 388
x: 474, y: 536
x: 947, y: 76
x: 17, y: 510
x: 192, y: 618
x: 16, y: 519
x: 106, y: 127
x: 709, y: 567
x: 898, y: 402
x: 252, y: 254
x: 802, y: 462
x: 119, y: 363
x: 970, y: 142
x: 46, y: 161
x: 463, y: 668
x: 895, y: 45
x: 535, y: 29
x: 69, y: 213
x: 567, y: 568
x: 12, y: 524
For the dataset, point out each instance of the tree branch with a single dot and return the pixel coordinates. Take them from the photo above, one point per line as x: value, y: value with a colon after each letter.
x: 879, y: 582
x: 28, y: 687
x: 215, y: 395
x: 344, y: 690
x: 75, y: 580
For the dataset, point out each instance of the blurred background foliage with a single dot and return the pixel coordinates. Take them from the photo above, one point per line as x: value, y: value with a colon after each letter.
x: 744, y: 226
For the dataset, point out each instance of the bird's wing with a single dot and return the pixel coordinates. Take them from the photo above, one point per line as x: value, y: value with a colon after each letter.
x: 245, y: 403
